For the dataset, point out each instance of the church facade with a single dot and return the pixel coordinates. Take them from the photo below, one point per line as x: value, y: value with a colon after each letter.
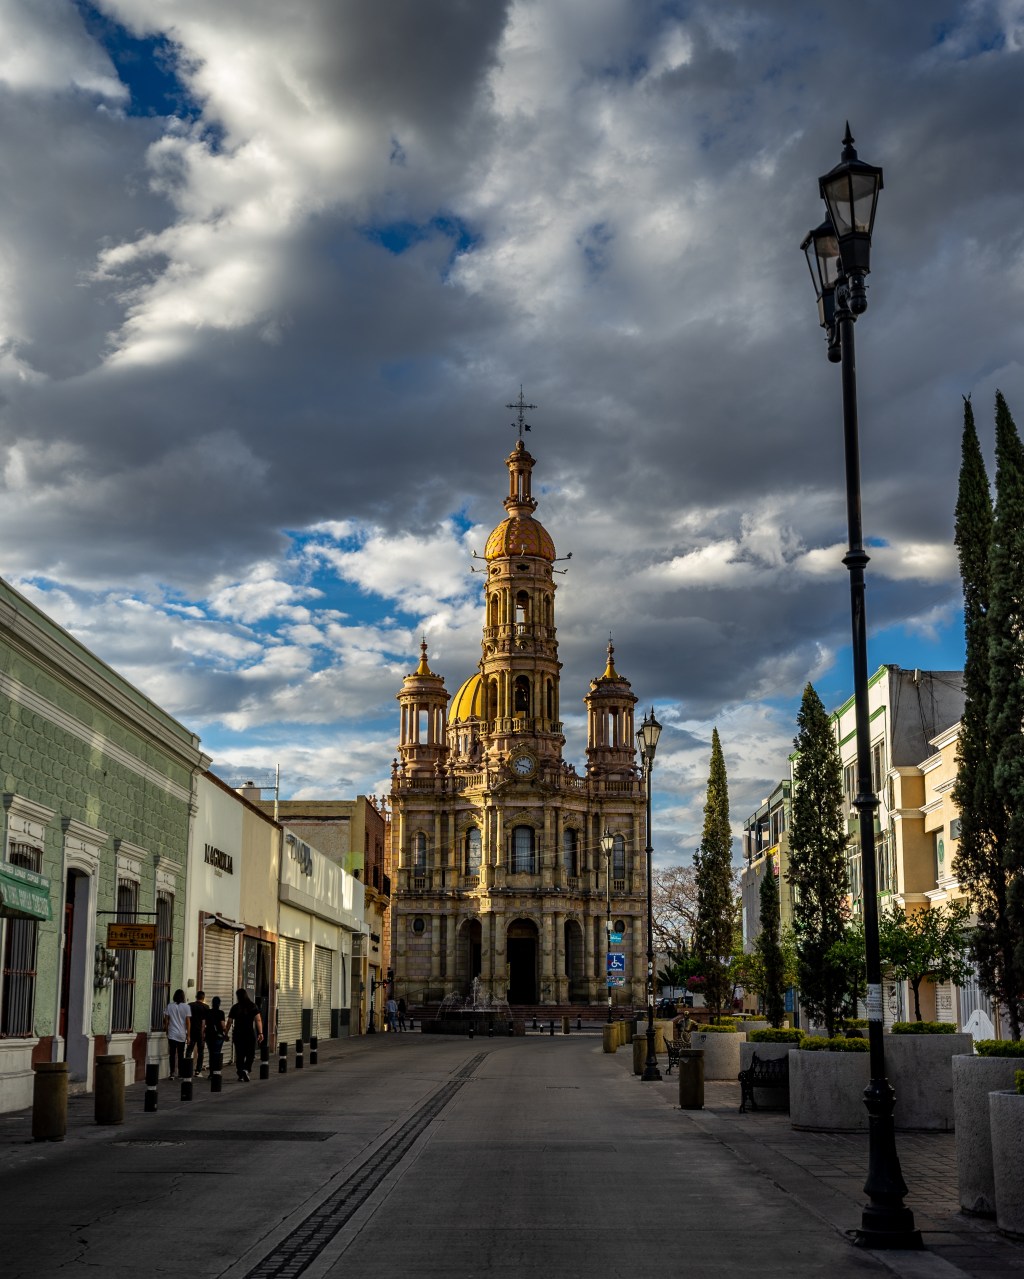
x: 500, y: 876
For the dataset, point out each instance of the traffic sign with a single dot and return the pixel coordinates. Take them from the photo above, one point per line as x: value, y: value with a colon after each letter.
x: 615, y: 939
x: 616, y: 962
x: 615, y: 980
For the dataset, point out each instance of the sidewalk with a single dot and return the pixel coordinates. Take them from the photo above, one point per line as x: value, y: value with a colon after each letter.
x: 825, y: 1173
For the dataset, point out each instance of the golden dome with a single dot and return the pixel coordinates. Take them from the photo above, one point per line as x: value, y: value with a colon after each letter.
x: 520, y: 535
x: 468, y: 701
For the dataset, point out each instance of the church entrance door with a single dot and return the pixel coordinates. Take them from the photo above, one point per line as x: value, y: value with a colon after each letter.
x: 521, y: 951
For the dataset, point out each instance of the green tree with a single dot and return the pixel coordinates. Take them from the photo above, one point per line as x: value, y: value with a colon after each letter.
x: 768, y: 948
x: 848, y: 958
x: 998, y: 940
x: 929, y: 945
x: 716, y: 906
x: 817, y: 863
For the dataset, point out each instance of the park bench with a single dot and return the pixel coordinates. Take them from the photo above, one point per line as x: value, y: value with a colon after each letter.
x: 772, y: 1074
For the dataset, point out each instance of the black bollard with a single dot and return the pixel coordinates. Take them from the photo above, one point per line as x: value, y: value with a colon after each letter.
x: 471, y: 1030
x: 551, y: 1031
x: 312, y: 1049
x: 282, y: 1058
x: 264, y: 1059
x: 579, y: 1023
x: 511, y: 1029
x: 152, y: 1076
x: 216, y: 1066
x: 535, y: 1023
x: 490, y: 1032
x: 186, y: 1079
x: 299, y: 1063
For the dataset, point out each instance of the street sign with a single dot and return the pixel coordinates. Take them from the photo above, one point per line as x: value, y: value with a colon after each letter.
x: 616, y: 963
x: 616, y: 939
x: 614, y: 980
x: 131, y: 937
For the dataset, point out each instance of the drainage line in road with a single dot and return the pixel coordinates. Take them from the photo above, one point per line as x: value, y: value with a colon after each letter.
x: 304, y: 1244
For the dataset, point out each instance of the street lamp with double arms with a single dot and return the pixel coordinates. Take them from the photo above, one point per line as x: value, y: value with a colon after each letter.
x: 839, y: 256
x: 647, y: 741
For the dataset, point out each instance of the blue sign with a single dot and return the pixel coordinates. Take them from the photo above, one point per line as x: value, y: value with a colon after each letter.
x: 789, y: 1000
x: 615, y: 980
x: 616, y: 962
x: 615, y: 939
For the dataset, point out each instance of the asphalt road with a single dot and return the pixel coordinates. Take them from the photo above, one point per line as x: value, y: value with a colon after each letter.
x: 409, y: 1154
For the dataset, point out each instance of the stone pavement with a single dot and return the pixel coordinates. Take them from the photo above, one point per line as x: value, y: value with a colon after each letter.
x: 460, y: 1157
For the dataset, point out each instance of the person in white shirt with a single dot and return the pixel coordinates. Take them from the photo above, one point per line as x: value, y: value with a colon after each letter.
x: 177, y: 1022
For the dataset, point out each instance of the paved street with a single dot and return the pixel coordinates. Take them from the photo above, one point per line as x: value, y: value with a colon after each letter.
x: 457, y: 1157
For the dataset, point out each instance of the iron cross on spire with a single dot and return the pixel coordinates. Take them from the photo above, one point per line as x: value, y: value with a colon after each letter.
x: 521, y: 424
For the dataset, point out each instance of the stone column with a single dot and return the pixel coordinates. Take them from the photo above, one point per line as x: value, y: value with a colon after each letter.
x: 499, y: 980
x: 435, y: 955
x: 561, y: 980
x: 589, y: 966
x: 451, y: 966
x: 486, y: 962
x: 547, y: 958
x: 549, y: 874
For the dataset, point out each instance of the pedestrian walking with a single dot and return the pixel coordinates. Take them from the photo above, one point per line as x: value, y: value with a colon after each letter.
x: 391, y: 1013
x: 197, y: 1029
x: 177, y: 1017
x: 244, y: 1018
x: 402, y: 1010
x: 215, y: 1031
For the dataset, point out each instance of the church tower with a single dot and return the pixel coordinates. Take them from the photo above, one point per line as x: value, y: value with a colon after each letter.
x: 500, y: 875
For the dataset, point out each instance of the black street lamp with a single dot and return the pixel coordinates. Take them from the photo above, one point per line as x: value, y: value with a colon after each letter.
x: 839, y: 256
x: 608, y: 847
x: 647, y: 741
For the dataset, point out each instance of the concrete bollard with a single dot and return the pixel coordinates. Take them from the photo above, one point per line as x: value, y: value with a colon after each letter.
x: 282, y: 1058
x: 609, y: 1038
x: 639, y: 1053
x: 299, y: 1060
x: 313, y: 1045
x: 149, y: 1097
x: 186, y: 1079
x: 216, y: 1066
x: 108, y: 1102
x: 565, y: 1024
x: 264, y: 1059
x: 691, y: 1079
x: 50, y: 1101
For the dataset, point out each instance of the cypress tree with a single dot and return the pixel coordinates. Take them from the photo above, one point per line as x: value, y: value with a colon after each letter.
x: 769, y: 947
x: 716, y: 908
x: 817, y: 864
x: 1002, y: 915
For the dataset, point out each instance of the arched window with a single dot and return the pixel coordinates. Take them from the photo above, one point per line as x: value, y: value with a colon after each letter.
x: 522, y: 608
x: 492, y: 699
x: 619, y: 858
x: 419, y: 852
x: 570, y: 852
x: 521, y: 695
x: 492, y: 610
x: 551, y: 699
x: 473, y: 851
x: 524, y: 861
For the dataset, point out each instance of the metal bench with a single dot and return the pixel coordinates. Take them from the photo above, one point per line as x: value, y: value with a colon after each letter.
x: 674, y: 1047
x: 772, y: 1074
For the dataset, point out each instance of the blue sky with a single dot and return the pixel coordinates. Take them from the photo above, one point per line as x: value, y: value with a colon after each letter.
x: 288, y: 261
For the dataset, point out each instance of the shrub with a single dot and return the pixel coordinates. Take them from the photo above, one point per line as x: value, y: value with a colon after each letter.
x: 769, y: 1036
x: 999, y: 1047
x: 721, y: 1027
x: 818, y: 1043
x: 1018, y: 1076
x: 855, y: 1023
x: 923, y: 1028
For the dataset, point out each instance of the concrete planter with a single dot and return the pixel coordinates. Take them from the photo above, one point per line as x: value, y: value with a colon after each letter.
x: 721, y: 1052
x: 920, y: 1068
x: 973, y: 1079
x: 826, y: 1091
x: 1006, y: 1116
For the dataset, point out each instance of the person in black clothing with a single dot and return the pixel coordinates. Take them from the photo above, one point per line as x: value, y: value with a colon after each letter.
x: 402, y: 1010
x: 215, y: 1032
x: 197, y: 1029
x: 244, y: 1016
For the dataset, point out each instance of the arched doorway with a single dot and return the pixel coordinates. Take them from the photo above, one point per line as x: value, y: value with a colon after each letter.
x: 522, y: 951
x: 468, y: 955
x: 574, y: 961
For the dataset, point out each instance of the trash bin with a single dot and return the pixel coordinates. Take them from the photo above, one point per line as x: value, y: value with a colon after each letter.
x: 50, y: 1101
x: 691, y: 1079
x: 565, y: 1024
x: 109, y: 1098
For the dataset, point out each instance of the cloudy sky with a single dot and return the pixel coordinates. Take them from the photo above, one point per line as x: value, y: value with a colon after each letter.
x: 271, y: 270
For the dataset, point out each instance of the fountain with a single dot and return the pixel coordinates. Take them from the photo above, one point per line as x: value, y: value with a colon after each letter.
x: 476, y: 1013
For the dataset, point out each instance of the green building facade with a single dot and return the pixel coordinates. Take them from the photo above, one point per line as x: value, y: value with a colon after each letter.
x: 98, y: 787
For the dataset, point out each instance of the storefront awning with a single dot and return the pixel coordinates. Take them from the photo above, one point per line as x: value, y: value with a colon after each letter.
x: 219, y: 921
x: 23, y: 893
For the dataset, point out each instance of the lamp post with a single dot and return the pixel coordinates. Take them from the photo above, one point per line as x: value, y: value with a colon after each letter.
x: 647, y: 741
x: 839, y: 257
x: 608, y: 847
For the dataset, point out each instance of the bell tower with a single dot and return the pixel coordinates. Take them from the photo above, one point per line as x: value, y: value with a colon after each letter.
x: 423, y: 700
x: 611, y: 749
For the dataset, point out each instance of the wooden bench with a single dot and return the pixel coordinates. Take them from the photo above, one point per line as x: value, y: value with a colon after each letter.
x: 772, y: 1074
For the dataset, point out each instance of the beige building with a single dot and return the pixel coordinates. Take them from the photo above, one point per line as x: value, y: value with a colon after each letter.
x: 500, y: 879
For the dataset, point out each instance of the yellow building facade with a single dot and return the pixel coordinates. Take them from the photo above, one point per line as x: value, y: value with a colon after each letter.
x: 500, y: 882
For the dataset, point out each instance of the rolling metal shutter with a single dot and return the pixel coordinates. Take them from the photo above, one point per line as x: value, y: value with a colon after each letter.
x: 290, y: 959
x: 220, y: 969
x: 323, y: 971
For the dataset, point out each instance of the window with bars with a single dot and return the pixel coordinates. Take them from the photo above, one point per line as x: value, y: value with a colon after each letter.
x: 419, y: 852
x: 17, y: 998
x: 162, y: 961
x: 619, y: 858
x: 523, y: 856
x: 122, y: 1017
x: 473, y: 848
x: 570, y: 852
